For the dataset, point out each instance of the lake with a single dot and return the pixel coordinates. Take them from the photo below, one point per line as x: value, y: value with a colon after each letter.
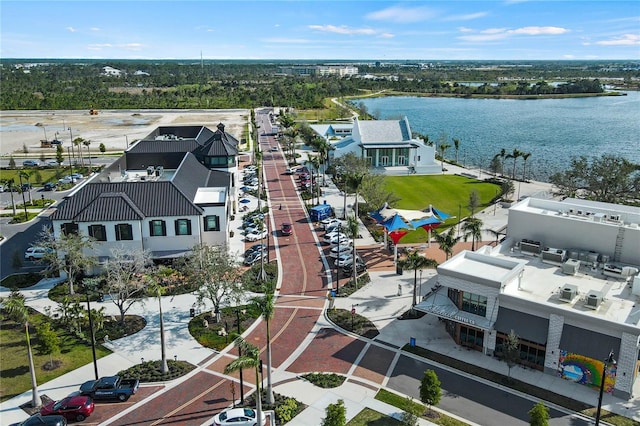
x: 552, y: 130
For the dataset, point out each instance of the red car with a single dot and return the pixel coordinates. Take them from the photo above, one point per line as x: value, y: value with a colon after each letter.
x: 74, y: 407
x: 286, y: 229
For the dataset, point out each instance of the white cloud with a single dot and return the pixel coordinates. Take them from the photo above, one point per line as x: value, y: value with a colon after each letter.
x: 625, y: 40
x: 402, y: 14
x: 343, y: 29
x: 465, y: 30
x: 387, y: 35
x: 132, y: 46
x: 99, y: 46
x: 467, y: 17
x: 492, y: 34
x: 71, y: 29
x: 94, y: 29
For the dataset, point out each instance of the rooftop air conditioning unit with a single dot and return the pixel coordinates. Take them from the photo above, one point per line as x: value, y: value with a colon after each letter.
x: 579, y: 212
x: 571, y: 211
x: 594, y: 298
x: 614, y: 217
x: 568, y: 292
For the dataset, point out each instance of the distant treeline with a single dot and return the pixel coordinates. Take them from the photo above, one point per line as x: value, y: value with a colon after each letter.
x: 66, y: 84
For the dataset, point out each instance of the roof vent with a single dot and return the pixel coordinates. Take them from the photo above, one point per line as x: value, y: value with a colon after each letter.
x: 594, y: 298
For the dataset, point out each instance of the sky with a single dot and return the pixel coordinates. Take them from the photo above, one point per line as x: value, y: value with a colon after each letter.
x: 328, y: 29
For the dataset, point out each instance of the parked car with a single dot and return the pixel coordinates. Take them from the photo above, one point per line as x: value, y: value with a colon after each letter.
x: 330, y: 235
x: 49, y: 186
x: 110, y: 387
x: 40, y: 420
x: 1, y: 188
x: 290, y: 171
x: 337, y: 251
x: 286, y: 229
x: 66, y: 180
x: 348, y: 267
x: 256, y: 235
x: 340, y: 240
x: 74, y: 407
x: 255, y: 248
x: 273, y: 148
x: 56, y: 142
x: 31, y: 163
x: 346, y: 259
x: 77, y: 176
x: 330, y: 222
x: 25, y: 187
x: 238, y: 417
x: 254, y: 257
x: 35, y: 253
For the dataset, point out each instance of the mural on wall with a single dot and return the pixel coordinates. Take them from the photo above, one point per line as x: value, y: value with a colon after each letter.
x: 585, y: 370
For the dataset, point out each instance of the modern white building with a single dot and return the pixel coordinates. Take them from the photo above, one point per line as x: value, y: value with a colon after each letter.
x: 169, y: 192
x: 387, y: 145
x: 565, y: 281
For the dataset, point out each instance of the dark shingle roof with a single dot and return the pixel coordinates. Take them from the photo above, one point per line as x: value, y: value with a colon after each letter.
x: 110, y: 206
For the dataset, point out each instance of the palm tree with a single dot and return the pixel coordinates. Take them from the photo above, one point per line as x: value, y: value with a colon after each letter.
x: 447, y: 241
x: 443, y: 149
x: 515, y: 154
x: 415, y: 261
x: 158, y: 290
x: 86, y: 143
x: 456, y: 145
x: 26, y: 176
x: 250, y: 359
x: 10, y: 185
x: 17, y: 310
x: 77, y: 142
x: 472, y: 227
x: 315, y: 162
x: 525, y: 156
x: 502, y: 155
x: 266, y: 307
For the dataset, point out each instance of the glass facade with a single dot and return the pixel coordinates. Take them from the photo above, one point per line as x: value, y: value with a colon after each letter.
x: 531, y: 353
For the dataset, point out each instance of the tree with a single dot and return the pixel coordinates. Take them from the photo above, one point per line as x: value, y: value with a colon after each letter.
x: 415, y: 261
x: 525, y: 156
x: 511, y: 350
x: 336, y: 414
x: 506, y: 189
x: 515, y: 154
x: 250, y: 359
x: 158, y: 290
x: 315, y: 162
x: 59, y: 154
x: 26, y: 175
x: 102, y: 149
x: 474, y: 201
x: 413, y: 411
x: 447, y: 241
x: 609, y: 178
x: 48, y: 341
x: 77, y: 142
x: 495, y: 166
x: 15, y: 308
x: 12, y: 162
x: 67, y: 254
x: 456, y: 145
x: 430, y: 391
x: 539, y: 415
x: 266, y: 307
x: 502, y: 154
x: 125, y: 278
x: 472, y: 227
x: 10, y: 185
x: 216, y: 275
x: 87, y: 142
x: 443, y: 149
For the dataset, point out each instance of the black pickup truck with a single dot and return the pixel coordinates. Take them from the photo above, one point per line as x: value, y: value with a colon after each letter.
x: 110, y: 387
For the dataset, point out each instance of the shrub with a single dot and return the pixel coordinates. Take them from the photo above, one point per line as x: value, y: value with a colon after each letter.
x: 287, y: 410
x: 149, y: 371
x: 325, y: 380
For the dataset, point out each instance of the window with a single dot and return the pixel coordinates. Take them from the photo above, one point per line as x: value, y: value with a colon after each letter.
x: 98, y: 232
x: 474, y: 304
x: 69, y: 228
x: 157, y: 228
x: 124, y: 231
x: 183, y: 227
x: 211, y: 223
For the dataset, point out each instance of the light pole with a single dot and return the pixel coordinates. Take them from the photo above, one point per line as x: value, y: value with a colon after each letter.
x: 72, y: 151
x: 93, y: 335
x: 610, y: 361
x: 337, y: 262
x: 24, y: 203
x: 420, y: 288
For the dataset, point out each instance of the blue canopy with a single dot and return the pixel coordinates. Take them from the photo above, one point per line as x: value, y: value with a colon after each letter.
x: 395, y: 223
x: 425, y: 221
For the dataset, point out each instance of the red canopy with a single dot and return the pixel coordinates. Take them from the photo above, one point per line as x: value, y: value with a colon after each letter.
x: 397, y: 235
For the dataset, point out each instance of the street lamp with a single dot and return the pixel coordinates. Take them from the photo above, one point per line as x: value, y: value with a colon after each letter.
x: 87, y: 288
x: 610, y: 361
x: 24, y: 202
x: 337, y: 262
x: 420, y: 291
x: 72, y: 151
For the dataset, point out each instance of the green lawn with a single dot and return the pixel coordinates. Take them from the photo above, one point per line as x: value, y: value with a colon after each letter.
x: 369, y: 417
x: 447, y: 193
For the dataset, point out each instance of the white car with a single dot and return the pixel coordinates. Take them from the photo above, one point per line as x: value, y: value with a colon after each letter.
x: 291, y: 171
x: 35, y: 253
x: 347, y: 259
x: 256, y: 235
x: 340, y: 240
x: 53, y: 163
x: 331, y: 235
x: 342, y: 250
x: 238, y: 417
x: 273, y: 148
x: 330, y: 222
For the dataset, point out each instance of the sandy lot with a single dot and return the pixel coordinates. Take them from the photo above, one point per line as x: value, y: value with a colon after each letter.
x: 113, y: 128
